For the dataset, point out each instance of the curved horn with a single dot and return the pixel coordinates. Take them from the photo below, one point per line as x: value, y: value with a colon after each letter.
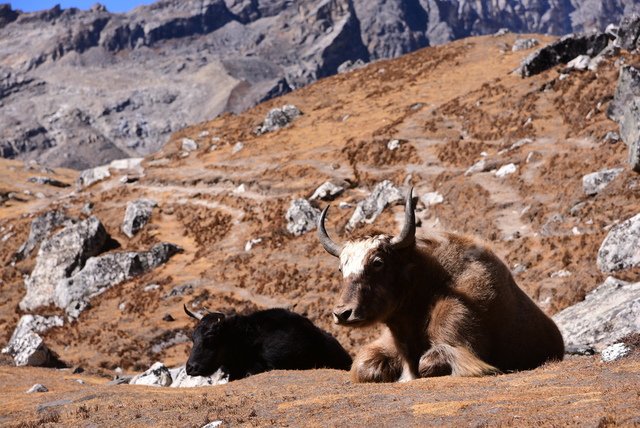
x: 408, y: 234
x: 192, y: 314
x: 332, y: 248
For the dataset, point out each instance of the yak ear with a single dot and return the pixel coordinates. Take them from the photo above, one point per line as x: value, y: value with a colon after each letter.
x: 218, y: 315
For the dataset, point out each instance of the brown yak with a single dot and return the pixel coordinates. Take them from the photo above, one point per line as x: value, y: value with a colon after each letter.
x: 448, y: 304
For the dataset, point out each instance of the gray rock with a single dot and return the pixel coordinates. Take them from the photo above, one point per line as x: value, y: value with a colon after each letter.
x: 120, y: 380
x: 627, y: 89
x: 562, y: 51
x: 157, y: 375
x: 628, y: 32
x: 525, y: 44
x: 608, y: 313
x: 615, y: 352
x: 102, y: 272
x: 31, y: 324
x: 136, y: 216
x: 41, y: 227
x: 327, y: 192
x: 630, y: 132
x: 596, y: 182
x: 60, y: 257
x: 30, y: 350
x: 620, y: 250
x: 189, y: 145
x: 183, y: 380
x: 93, y: 175
x: 278, y: 118
x: 47, y: 181
x: 180, y: 290
x: 367, y: 210
x: 38, y: 387
x: 350, y: 65
x: 301, y: 217
x: 87, y: 208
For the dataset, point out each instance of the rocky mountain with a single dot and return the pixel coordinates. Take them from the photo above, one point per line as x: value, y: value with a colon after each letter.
x: 95, y: 267
x: 81, y: 88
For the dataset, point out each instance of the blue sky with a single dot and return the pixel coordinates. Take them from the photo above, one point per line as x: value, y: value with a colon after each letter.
x: 112, y: 5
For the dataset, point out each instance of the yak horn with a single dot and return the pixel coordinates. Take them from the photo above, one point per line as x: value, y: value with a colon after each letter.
x: 408, y: 234
x: 331, y: 247
x: 192, y: 314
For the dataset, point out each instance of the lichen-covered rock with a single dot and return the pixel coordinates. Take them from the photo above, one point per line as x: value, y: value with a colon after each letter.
x: 41, y: 227
x: 30, y: 350
x: 596, y: 182
x: 32, y: 324
x: 607, y: 314
x: 367, y: 210
x: 137, y: 215
x: 103, y: 272
x: 628, y: 34
x: 157, y: 375
x: 301, y: 217
x: 62, y: 256
x: 183, y: 380
x: 620, y: 250
x: 327, y: 192
x: 615, y: 352
x: 627, y: 89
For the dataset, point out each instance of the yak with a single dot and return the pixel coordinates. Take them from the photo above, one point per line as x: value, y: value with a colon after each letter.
x: 447, y: 303
x: 244, y: 345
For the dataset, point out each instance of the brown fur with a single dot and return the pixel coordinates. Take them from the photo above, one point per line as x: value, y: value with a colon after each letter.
x: 450, y: 307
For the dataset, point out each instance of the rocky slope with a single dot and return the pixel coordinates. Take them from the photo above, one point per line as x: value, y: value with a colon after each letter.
x: 488, y: 152
x: 81, y: 88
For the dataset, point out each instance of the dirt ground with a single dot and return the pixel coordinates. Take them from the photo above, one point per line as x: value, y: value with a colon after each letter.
x: 449, y: 107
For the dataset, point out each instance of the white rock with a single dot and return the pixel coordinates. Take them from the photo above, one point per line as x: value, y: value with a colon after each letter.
x: 188, y: 144
x: 157, y: 375
x: 432, y: 198
x: 327, y: 191
x: 38, y: 387
x: 506, y: 170
x: 183, y: 380
x: 614, y: 352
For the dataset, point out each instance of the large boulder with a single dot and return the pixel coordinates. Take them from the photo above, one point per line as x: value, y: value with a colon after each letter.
x: 136, y: 216
x: 301, y: 217
x: 628, y: 33
x: 30, y: 350
x: 41, y: 227
x: 627, y: 89
x: 630, y: 132
x: 102, y: 272
x: 60, y: 257
x: 607, y: 314
x: 596, y: 182
x: 562, y: 51
x: 620, y: 250
x: 367, y: 210
x: 32, y: 324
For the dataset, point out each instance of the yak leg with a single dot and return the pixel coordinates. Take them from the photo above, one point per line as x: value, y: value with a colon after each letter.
x: 450, y: 330
x: 380, y: 361
x: 443, y: 360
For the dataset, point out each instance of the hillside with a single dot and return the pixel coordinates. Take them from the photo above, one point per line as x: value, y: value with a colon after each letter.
x: 448, y: 106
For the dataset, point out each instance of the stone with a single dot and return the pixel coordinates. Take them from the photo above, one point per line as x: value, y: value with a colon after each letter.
x: 41, y: 227
x: 432, y: 198
x: 102, y: 272
x: 327, y: 192
x: 61, y: 256
x: 47, y: 181
x: 38, y: 387
x: 606, y: 315
x: 183, y: 380
x: 630, y: 132
x: 157, y: 375
x: 620, y: 250
x: 301, y: 217
x: 32, y: 324
x: 505, y: 170
x: 93, y: 175
x: 189, y: 145
x: 136, y: 215
x: 525, y: 44
x: 581, y: 62
x: 627, y: 89
x: 628, y: 34
x: 30, y: 350
x: 180, y: 290
x: 279, y: 118
x: 350, y: 65
x: 383, y: 195
x: 562, y: 51
x: 596, y: 182
x: 615, y: 352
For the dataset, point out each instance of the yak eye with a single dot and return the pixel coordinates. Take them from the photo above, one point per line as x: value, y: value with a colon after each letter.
x: 377, y: 263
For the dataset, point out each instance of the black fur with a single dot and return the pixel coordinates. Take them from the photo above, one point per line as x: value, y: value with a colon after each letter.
x: 262, y: 341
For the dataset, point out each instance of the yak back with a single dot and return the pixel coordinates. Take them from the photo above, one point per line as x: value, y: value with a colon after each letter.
x: 279, y: 339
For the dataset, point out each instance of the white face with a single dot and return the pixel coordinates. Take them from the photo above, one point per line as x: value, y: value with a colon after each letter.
x: 354, y: 255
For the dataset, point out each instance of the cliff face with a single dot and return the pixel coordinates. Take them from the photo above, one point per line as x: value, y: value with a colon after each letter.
x: 80, y: 88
